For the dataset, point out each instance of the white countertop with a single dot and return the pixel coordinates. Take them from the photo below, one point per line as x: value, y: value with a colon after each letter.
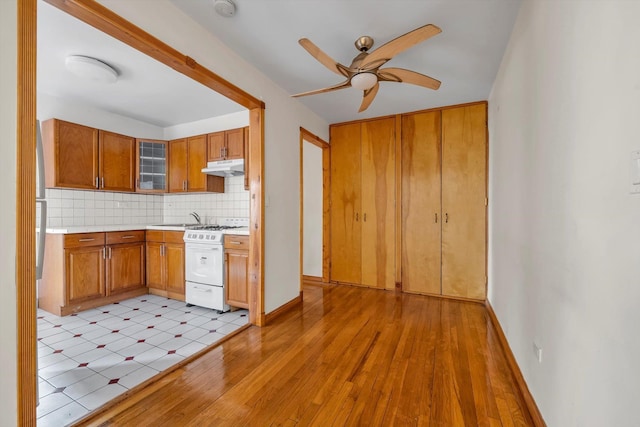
x: 127, y: 227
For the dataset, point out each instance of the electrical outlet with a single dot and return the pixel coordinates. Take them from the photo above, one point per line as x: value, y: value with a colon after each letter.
x: 537, y: 350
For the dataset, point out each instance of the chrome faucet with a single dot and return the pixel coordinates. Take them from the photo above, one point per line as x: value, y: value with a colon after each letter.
x: 196, y: 217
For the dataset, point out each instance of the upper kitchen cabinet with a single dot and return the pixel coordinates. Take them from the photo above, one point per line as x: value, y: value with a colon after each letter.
x: 71, y: 155
x: 187, y: 158
x: 151, y: 168
x: 226, y: 145
x: 81, y: 157
x: 117, y: 161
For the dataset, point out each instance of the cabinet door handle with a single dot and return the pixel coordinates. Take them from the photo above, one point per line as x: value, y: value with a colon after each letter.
x: 221, y: 155
x: 163, y: 250
x: 234, y: 242
x: 137, y: 183
x: 436, y: 217
x: 97, y: 182
x: 364, y: 218
x: 446, y: 218
x: 86, y: 240
x: 128, y: 237
x: 102, y: 182
x: 109, y: 252
x: 104, y: 253
x: 184, y: 185
x: 356, y: 216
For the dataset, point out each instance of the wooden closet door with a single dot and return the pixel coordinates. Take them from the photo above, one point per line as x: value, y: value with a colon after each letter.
x: 345, y: 203
x: 75, y: 154
x: 378, y: 203
x: 197, y: 159
x: 421, y: 212
x: 464, y: 172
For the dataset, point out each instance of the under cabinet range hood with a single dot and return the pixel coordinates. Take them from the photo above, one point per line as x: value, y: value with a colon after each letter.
x: 225, y: 168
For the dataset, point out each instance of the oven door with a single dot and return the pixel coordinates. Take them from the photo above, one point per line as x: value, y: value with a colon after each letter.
x: 204, y: 263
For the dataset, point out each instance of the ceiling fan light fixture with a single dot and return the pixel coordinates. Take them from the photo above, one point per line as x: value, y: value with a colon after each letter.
x: 226, y: 8
x: 364, y: 81
x: 91, y: 69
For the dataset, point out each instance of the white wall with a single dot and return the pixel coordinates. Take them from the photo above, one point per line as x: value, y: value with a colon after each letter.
x: 64, y: 109
x: 214, y: 124
x: 283, y: 118
x: 8, y: 108
x: 564, y: 229
x: 312, y: 210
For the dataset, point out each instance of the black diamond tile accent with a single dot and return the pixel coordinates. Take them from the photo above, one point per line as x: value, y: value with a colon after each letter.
x: 82, y: 365
x: 150, y: 327
x: 59, y: 390
x: 129, y: 358
x: 178, y: 336
x: 77, y: 335
x: 141, y: 340
x: 101, y: 346
x: 128, y: 318
x: 212, y: 331
x: 136, y: 309
x: 57, y: 326
x: 57, y: 351
x: 183, y: 323
x: 40, y: 317
x: 74, y: 314
x: 171, y: 352
x: 114, y: 381
x: 92, y: 323
x: 158, y: 315
x: 164, y: 306
x: 115, y: 331
x: 105, y: 312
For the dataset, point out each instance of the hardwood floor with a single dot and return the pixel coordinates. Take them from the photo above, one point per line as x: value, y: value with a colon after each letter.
x: 347, y: 356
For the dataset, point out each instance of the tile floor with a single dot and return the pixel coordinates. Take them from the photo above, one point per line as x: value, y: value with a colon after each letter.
x: 88, y: 358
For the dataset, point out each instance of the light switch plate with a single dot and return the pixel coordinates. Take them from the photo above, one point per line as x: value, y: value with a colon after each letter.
x: 634, y: 168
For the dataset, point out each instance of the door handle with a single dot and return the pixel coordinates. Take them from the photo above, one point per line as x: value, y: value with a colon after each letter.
x: 436, y: 217
x: 109, y: 252
x: 446, y: 218
x: 97, y: 182
x: 103, y: 182
x: 364, y: 218
x: 127, y: 237
x: 356, y: 216
x: 86, y: 240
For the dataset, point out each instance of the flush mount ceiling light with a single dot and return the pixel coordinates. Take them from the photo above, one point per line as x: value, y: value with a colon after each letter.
x: 224, y: 8
x: 364, y: 81
x: 91, y: 69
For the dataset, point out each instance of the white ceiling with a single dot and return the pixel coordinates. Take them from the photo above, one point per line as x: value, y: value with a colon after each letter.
x: 146, y: 90
x: 465, y: 56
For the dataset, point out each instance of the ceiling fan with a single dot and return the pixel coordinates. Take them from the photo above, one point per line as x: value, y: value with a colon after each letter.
x: 365, y: 73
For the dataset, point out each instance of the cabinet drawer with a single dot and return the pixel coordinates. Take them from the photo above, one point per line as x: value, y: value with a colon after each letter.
x: 233, y: 241
x: 155, y: 236
x: 78, y: 240
x: 116, y: 237
x: 174, y: 236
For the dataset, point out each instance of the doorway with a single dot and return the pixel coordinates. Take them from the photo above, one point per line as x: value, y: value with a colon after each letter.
x: 314, y: 208
x: 105, y: 20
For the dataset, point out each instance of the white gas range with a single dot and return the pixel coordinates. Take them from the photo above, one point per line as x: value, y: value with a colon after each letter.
x: 204, y: 262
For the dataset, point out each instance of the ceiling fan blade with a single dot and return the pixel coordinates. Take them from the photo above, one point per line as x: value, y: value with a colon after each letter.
x: 401, y: 75
x: 323, y: 58
x: 342, y: 85
x: 368, y: 97
x: 399, y: 44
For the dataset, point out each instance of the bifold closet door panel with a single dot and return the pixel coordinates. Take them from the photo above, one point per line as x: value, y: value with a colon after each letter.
x: 378, y: 203
x: 345, y: 203
x: 464, y: 171
x: 421, y: 213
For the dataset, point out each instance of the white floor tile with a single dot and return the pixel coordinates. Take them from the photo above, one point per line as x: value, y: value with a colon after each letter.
x: 57, y: 368
x: 166, y: 324
x: 146, y: 334
x: 191, y: 348
x: 79, y: 349
x: 70, y: 377
x: 52, y: 402
x: 51, y: 359
x: 137, y: 377
x: 122, y: 369
x: 159, y: 338
x: 63, y: 416
x: 44, y: 388
x: 68, y: 343
x: 106, y: 362
x: 96, y: 332
x: 174, y: 343
x: 210, y: 338
x: 165, y: 362
x: 150, y: 355
x: 92, y: 355
x: 241, y: 321
x: 132, y: 350
x: 212, y: 325
x: 58, y: 335
x: 86, y: 386
x: 228, y: 328
x: 120, y: 344
x: 133, y: 329
x: 195, y: 333
x: 101, y: 396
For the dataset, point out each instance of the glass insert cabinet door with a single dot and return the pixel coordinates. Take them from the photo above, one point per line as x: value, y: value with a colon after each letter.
x: 152, y: 166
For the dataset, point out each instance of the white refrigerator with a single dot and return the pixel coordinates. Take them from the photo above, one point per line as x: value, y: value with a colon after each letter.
x: 41, y: 205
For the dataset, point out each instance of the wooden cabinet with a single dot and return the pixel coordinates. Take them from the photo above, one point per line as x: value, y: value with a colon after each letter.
x: 444, y: 161
x: 187, y: 158
x: 165, y: 263
x: 81, y: 157
x: 363, y: 203
x: 70, y: 154
x: 86, y: 270
x: 226, y: 145
x: 236, y: 260
x: 151, y: 166
x: 116, y: 161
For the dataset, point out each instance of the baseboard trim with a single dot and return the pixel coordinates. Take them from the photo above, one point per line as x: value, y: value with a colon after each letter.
x: 283, y: 308
x: 536, y: 416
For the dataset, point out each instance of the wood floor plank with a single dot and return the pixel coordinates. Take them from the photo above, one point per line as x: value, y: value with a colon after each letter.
x: 346, y: 357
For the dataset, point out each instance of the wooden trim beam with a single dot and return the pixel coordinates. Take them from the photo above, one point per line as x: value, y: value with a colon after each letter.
x: 283, y: 308
x: 256, y: 216
x: 536, y: 416
x: 398, y: 203
x: 110, y: 23
x: 25, y: 214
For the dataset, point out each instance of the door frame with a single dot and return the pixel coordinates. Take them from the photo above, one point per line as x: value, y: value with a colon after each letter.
x: 305, y: 135
x: 112, y: 24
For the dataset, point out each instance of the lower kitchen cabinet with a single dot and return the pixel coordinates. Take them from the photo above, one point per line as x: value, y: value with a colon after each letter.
x: 165, y: 263
x: 86, y: 270
x: 236, y: 260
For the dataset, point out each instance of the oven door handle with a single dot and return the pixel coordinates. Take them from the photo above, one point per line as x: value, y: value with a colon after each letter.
x: 208, y: 290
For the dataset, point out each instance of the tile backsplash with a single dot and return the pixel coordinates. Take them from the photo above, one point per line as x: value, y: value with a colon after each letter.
x: 68, y: 208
